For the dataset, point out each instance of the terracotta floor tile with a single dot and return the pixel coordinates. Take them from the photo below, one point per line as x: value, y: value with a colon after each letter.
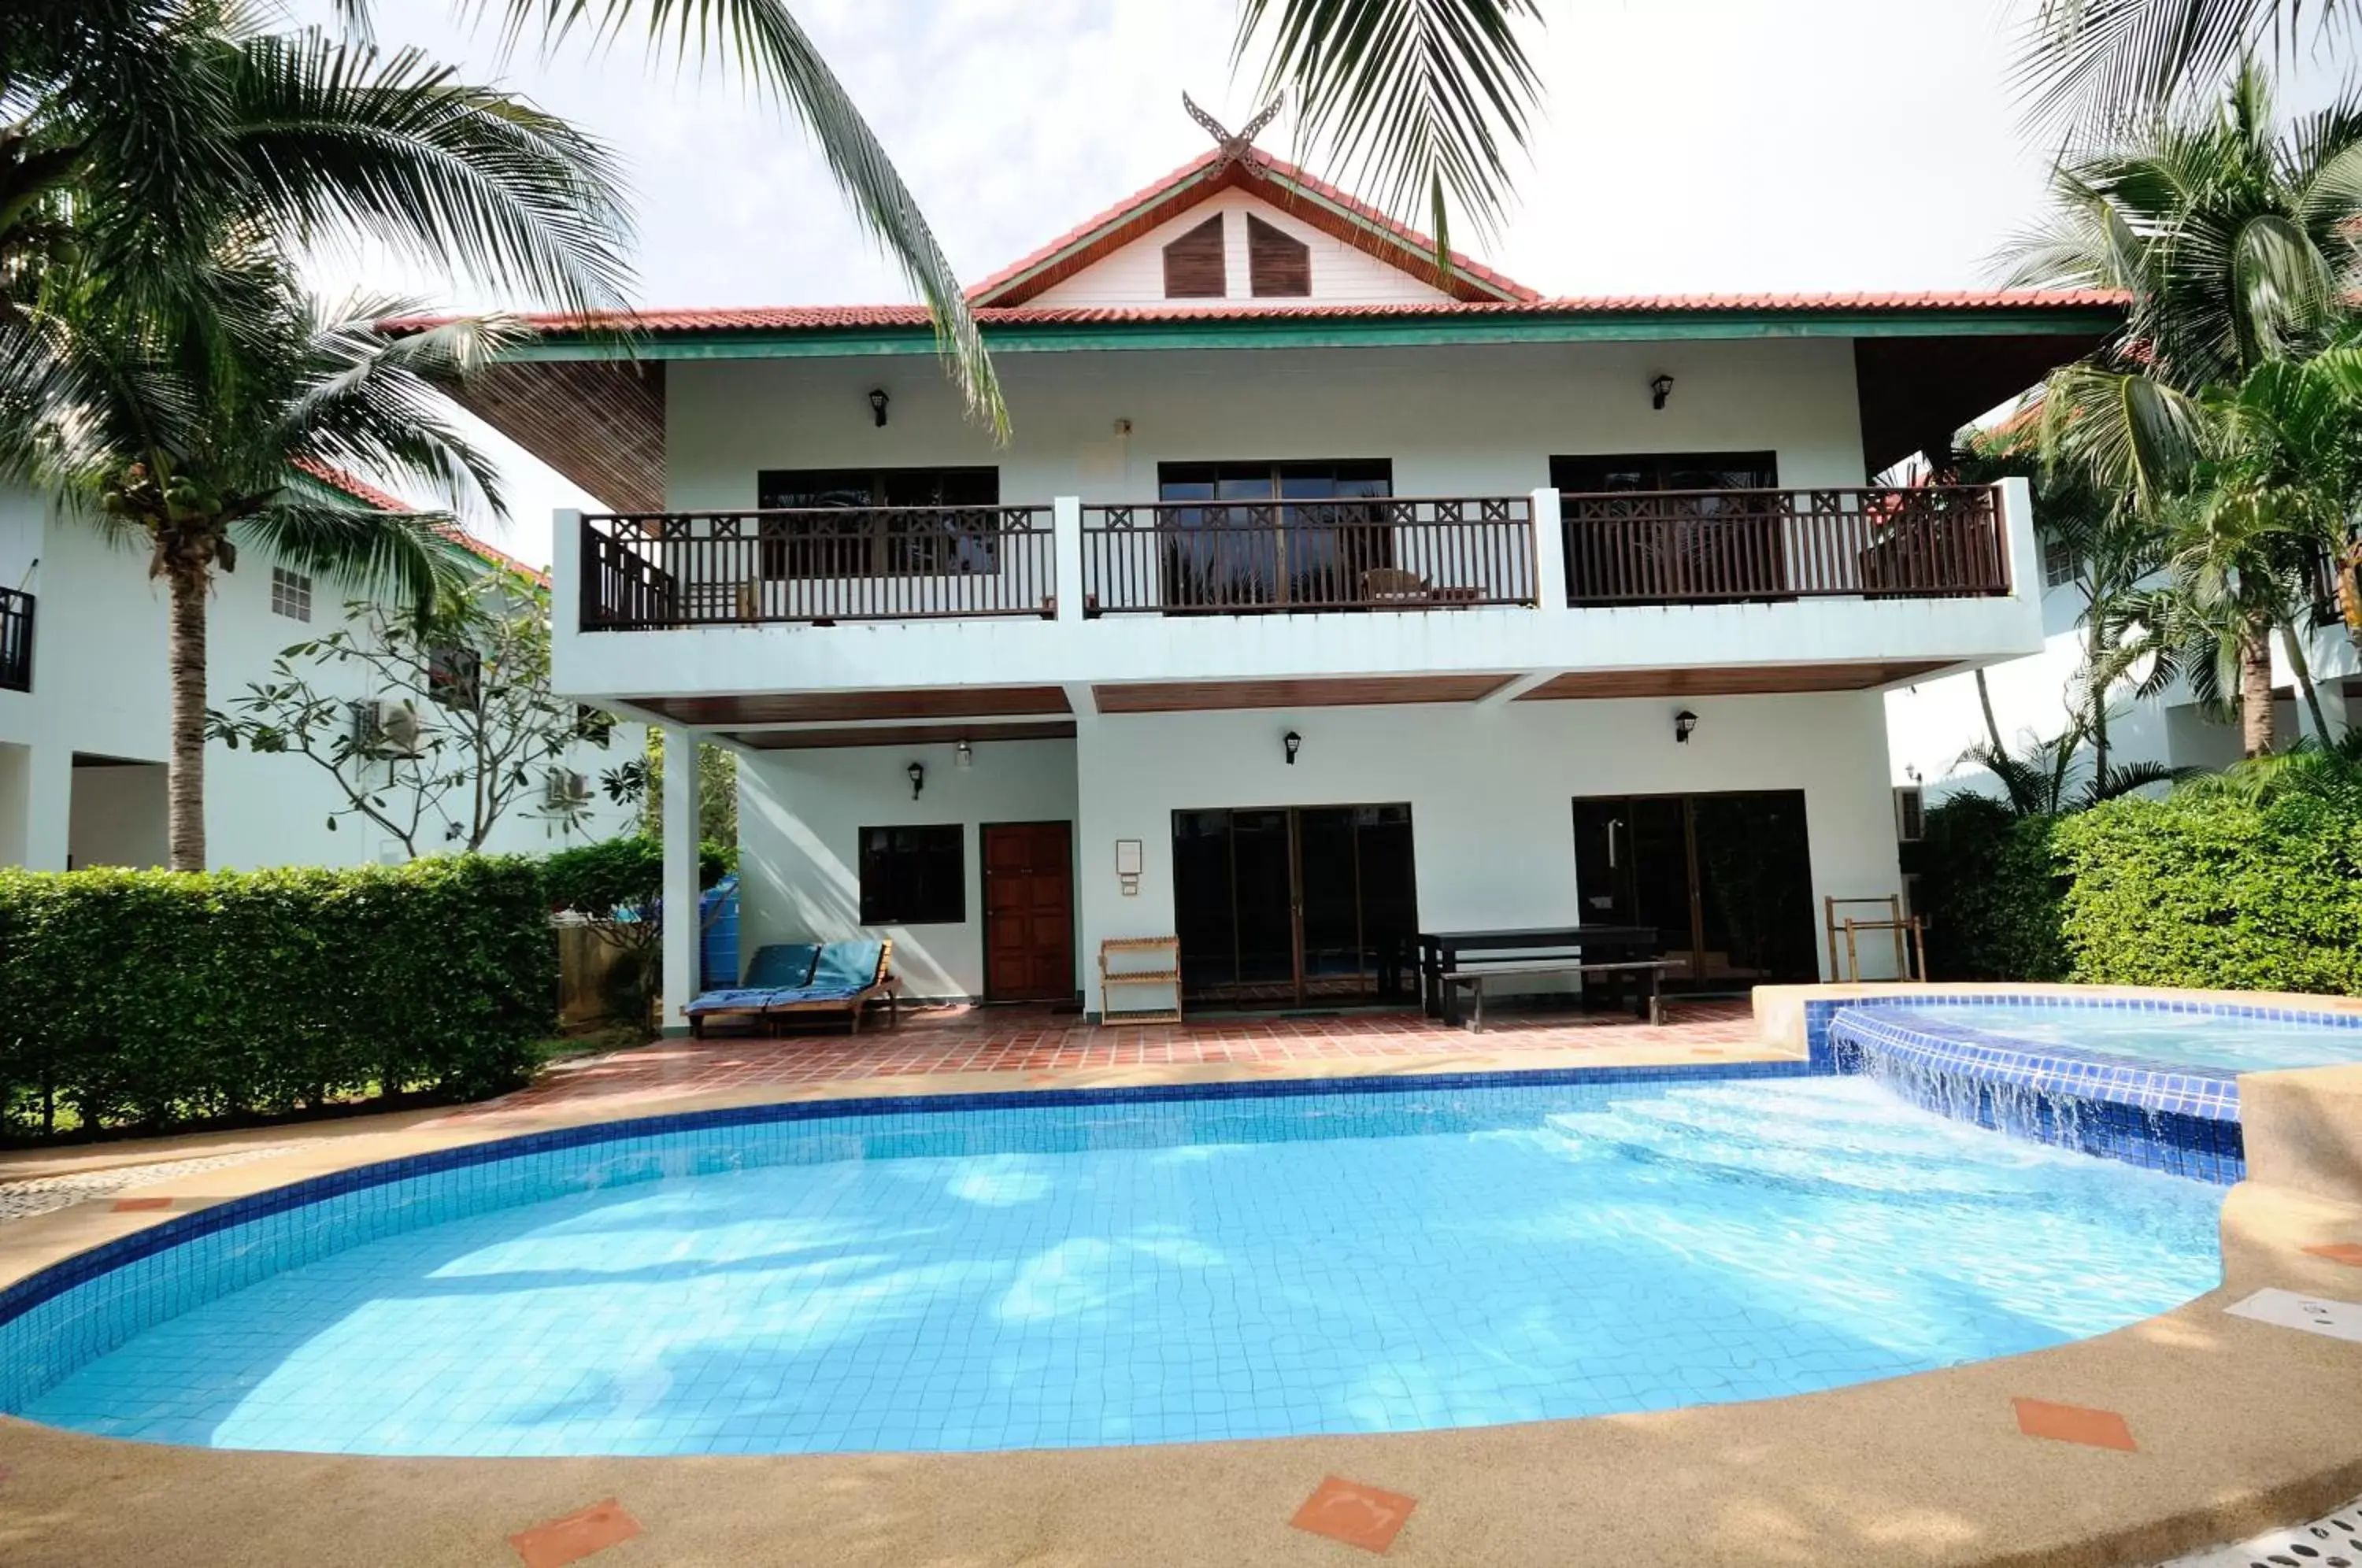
x: 1357, y: 1515
x: 574, y: 1536
x: 140, y: 1204
x: 2074, y: 1423
x: 2347, y: 1253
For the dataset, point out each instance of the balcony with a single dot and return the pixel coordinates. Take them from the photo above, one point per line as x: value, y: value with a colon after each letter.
x: 1725, y: 547
x: 16, y: 640
x: 652, y: 571
x: 1281, y: 557
x: 821, y: 567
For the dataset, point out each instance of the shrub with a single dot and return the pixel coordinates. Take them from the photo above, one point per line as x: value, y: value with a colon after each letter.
x: 598, y: 880
x: 2213, y: 889
x: 1990, y: 882
x: 149, y: 997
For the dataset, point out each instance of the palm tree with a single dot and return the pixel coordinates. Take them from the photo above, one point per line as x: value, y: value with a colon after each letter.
x: 2047, y: 779
x: 2234, y: 241
x: 1422, y: 99
x: 196, y: 432
x: 2086, y: 62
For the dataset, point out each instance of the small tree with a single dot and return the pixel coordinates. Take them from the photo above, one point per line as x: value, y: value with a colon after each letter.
x: 451, y: 725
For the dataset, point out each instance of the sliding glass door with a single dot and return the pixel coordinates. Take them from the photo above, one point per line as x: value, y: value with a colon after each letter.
x: 1289, y: 906
x: 1726, y: 879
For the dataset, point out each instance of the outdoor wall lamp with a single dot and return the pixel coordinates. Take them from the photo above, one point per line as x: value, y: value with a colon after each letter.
x: 1659, y: 391
x: 963, y: 755
x: 877, y: 405
x: 1291, y: 742
x: 1683, y: 722
x: 918, y: 772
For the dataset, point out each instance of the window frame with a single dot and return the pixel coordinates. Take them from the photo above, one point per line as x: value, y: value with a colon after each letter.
x: 290, y: 589
x: 1193, y: 288
x: 865, y: 542
x: 2062, y: 566
x: 1277, y: 258
x: 891, y: 892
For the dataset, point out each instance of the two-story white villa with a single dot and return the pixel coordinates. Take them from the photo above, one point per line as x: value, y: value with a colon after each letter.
x: 1317, y: 598
x: 84, y: 714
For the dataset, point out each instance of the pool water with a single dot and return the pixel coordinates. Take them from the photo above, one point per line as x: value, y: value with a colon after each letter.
x: 1249, y: 1267
x: 2231, y: 1042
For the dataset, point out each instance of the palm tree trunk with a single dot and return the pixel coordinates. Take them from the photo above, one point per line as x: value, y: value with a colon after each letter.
x: 2304, y: 683
x: 2098, y: 697
x: 184, y: 778
x: 1984, y: 700
x: 2256, y: 691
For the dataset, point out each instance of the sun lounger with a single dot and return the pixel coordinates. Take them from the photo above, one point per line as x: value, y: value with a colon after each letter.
x: 847, y: 977
x: 779, y: 968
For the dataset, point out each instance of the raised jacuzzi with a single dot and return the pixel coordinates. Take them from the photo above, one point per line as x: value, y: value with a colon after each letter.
x: 2151, y: 1080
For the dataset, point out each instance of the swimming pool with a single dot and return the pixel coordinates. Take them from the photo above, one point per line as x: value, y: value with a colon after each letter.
x: 1052, y: 1271
x: 2181, y: 1036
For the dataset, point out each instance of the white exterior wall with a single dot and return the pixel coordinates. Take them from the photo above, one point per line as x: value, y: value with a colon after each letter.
x: 99, y: 689
x: 1341, y: 274
x: 1491, y: 792
x: 1930, y: 725
x: 800, y: 818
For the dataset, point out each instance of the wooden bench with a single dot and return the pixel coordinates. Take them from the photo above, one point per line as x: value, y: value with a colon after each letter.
x: 1649, y: 972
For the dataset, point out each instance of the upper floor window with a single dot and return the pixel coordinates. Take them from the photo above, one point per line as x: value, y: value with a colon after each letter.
x: 868, y: 535
x: 1653, y: 527
x: 1193, y: 264
x: 291, y: 594
x: 2060, y: 565
x: 454, y: 676
x: 1614, y: 473
x: 1279, y: 266
x: 1296, y: 532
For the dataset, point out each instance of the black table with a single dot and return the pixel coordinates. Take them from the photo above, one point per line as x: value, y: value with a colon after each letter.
x: 1442, y: 950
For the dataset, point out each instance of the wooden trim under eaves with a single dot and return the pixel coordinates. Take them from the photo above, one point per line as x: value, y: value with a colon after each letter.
x: 898, y: 735
x: 1191, y: 696
x: 1735, y: 680
x: 850, y: 707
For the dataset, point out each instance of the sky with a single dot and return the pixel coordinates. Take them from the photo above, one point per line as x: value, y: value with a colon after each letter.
x: 1682, y: 145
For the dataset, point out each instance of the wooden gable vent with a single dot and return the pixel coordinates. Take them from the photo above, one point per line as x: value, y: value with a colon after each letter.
x: 1278, y: 267
x: 1193, y: 263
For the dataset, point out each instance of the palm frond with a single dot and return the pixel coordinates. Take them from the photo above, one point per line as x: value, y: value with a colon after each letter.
x: 2083, y: 63
x: 1420, y: 101
x: 400, y: 552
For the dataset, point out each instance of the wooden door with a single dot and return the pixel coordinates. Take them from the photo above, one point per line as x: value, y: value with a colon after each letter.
x: 1029, y: 911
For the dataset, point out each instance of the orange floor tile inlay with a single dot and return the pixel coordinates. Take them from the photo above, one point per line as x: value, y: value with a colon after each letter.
x: 2347, y: 1253
x: 1357, y: 1515
x: 140, y: 1204
x: 574, y: 1536
x: 1042, y: 1047
x: 2074, y: 1423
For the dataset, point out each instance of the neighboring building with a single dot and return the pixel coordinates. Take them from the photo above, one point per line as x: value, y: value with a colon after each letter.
x: 84, y: 706
x: 1197, y: 653
x: 1932, y: 723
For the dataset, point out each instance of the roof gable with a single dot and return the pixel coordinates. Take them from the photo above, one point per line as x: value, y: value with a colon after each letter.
x: 1280, y: 194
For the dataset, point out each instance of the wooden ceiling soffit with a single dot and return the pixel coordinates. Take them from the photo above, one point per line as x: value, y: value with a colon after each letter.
x: 853, y: 707
x: 598, y: 421
x: 1737, y: 680
x: 1916, y: 391
x: 1189, y: 696
x: 901, y: 735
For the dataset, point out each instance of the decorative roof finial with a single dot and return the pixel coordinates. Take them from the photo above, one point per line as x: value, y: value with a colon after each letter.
x: 1239, y: 149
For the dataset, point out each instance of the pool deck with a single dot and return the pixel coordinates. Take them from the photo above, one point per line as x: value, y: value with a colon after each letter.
x: 2235, y: 1424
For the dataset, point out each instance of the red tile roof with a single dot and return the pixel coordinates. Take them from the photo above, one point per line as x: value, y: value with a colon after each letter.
x: 370, y: 495
x: 822, y: 319
x: 1280, y: 182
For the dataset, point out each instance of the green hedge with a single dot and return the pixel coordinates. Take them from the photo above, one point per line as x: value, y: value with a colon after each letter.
x: 2213, y: 890
x: 2203, y: 889
x: 1989, y: 880
x: 596, y: 880
x: 144, y: 998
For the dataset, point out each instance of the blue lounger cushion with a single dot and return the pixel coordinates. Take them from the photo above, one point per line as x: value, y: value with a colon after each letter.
x: 781, y: 964
x: 849, y: 966
x: 737, y: 999
x: 812, y: 994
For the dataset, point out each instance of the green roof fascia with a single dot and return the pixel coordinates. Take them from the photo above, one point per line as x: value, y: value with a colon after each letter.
x: 1328, y: 332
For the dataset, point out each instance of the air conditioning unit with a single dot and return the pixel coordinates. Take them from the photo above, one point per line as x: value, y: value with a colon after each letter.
x: 1910, y: 814
x: 566, y: 790
x: 389, y: 729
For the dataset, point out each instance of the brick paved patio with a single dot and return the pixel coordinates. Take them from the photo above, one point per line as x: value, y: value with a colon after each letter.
x: 1047, y: 1046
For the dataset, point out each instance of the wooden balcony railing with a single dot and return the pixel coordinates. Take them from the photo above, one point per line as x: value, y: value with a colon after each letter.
x: 16, y: 640
x: 1713, y: 546
x: 1274, y: 557
x: 817, y: 567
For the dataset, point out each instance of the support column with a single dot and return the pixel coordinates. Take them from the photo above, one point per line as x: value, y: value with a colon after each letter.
x: 36, y: 805
x: 1066, y: 539
x: 680, y: 925
x: 1550, y: 552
